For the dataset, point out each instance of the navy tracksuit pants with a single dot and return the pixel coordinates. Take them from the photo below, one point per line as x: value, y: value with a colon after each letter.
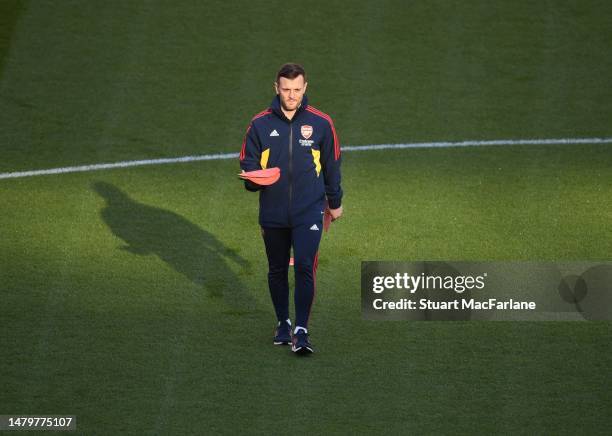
x: 305, y: 241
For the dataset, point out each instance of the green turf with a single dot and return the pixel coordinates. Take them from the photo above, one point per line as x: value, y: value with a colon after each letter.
x: 142, y: 309
x: 89, y: 82
x: 136, y: 299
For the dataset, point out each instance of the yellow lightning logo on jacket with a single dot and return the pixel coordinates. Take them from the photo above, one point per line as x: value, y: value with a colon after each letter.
x: 264, y: 158
x: 316, y: 157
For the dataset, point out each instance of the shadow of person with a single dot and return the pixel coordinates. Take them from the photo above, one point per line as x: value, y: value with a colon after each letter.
x: 188, y: 249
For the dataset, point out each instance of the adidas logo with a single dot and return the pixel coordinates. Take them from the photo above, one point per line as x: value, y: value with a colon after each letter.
x: 314, y: 227
x: 274, y: 133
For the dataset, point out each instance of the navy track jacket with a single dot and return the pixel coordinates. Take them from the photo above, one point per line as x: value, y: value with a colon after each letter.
x: 307, y: 151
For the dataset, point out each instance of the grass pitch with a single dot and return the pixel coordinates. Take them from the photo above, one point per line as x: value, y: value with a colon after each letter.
x: 136, y: 299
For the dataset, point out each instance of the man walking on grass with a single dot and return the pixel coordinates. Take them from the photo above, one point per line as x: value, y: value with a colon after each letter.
x: 301, y: 141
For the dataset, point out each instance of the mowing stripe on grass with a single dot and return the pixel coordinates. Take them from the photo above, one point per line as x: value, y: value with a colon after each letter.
x: 136, y: 163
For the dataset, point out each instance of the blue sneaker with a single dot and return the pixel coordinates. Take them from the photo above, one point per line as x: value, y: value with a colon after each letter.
x: 282, y: 334
x: 300, y: 343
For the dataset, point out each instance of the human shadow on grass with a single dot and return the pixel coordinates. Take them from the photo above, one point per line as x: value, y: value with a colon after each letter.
x: 188, y: 249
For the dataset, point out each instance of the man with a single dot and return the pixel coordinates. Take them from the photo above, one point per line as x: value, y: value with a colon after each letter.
x: 302, y: 142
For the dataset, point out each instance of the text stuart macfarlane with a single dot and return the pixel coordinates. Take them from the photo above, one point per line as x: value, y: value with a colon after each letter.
x: 461, y: 304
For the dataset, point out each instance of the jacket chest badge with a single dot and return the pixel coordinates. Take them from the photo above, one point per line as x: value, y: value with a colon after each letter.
x: 306, y: 131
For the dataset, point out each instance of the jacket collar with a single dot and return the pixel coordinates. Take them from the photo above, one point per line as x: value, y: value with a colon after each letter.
x: 276, y: 107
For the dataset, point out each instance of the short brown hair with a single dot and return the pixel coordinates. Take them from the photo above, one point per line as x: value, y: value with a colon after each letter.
x: 290, y: 71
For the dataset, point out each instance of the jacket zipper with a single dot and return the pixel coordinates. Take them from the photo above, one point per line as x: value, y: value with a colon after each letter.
x: 290, y: 164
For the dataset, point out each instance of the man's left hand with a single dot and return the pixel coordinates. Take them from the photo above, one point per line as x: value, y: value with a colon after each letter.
x: 336, y: 213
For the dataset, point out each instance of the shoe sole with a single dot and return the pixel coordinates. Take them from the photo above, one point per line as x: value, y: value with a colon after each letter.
x: 282, y: 342
x: 302, y: 350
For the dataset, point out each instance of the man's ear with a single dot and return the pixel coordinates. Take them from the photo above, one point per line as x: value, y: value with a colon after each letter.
x: 276, y: 87
x: 305, y: 86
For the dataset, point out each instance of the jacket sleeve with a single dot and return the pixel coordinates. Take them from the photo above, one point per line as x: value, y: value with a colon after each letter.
x: 330, y: 151
x: 250, y: 155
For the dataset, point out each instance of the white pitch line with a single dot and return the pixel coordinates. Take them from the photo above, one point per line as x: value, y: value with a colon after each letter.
x: 124, y: 164
x: 560, y: 141
x: 136, y: 163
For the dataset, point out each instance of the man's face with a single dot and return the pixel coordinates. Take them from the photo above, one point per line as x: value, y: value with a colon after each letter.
x: 291, y: 91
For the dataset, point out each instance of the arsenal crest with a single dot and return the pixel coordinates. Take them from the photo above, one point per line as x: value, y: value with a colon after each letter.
x: 306, y: 131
